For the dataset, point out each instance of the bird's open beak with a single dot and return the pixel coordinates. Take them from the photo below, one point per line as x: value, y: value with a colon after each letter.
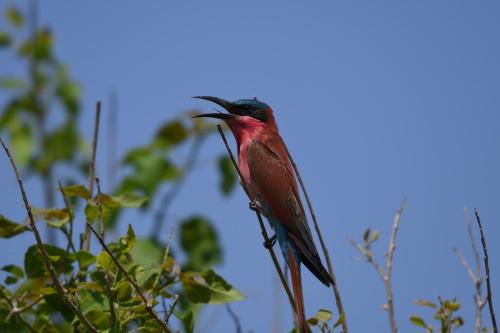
x: 221, y: 102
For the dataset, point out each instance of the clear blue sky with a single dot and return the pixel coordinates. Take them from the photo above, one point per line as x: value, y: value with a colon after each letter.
x: 377, y: 100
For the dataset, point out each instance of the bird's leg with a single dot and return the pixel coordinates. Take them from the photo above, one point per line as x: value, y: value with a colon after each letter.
x: 270, y: 242
x: 255, y: 205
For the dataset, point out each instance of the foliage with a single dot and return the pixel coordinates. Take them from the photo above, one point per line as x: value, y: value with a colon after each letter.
x: 104, y: 294
x: 444, y: 315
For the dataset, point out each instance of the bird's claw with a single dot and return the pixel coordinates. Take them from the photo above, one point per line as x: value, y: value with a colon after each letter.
x: 254, y: 205
x: 270, y: 242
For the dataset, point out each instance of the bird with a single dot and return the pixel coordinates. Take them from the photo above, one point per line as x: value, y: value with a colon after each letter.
x: 267, y: 171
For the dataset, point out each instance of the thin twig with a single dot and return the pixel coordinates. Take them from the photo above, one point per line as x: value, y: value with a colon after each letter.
x: 86, y: 236
x: 147, y: 305
x: 112, y: 139
x: 335, y: 286
x: 169, y: 196
x: 259, y: 218
x: 17, y: 311
x: 172, y: 308
x: 234, y: 317
x: 45, y: 256
x: 388, y: 269
x: 487, y: 269
x: 476, y: 277
x: 385, y: 275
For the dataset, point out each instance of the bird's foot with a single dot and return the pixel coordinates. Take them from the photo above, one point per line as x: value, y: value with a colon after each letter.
x: 255, y: 205
x: 270, y: 242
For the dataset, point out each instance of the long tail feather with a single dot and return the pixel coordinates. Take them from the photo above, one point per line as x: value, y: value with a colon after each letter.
x: 297, y: 292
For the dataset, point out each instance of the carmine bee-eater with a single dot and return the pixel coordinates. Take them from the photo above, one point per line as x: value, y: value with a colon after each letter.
x: 271, y: 180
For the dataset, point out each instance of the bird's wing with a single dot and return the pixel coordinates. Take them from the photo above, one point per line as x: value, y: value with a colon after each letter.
x: 276, y: 184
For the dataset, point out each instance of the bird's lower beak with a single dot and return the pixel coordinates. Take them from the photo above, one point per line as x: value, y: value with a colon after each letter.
x: 223, y: 116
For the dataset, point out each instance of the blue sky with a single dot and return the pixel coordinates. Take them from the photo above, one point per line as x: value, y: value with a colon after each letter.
x: 377, y: 100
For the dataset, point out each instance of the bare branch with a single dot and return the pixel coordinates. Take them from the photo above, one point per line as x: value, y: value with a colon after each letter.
x: 86, y: 236
x: 388, y: 269
x: 259, y: 218
x: 45, y: 256
x: 487, y: 269
x: 386, y: 274
x: 172, y: 308
x: 335, y: 286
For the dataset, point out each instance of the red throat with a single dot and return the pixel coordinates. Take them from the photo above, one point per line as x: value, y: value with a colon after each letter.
x: 245, y: 130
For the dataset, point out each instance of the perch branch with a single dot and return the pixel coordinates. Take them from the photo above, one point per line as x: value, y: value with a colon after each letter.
x: 86, y: 236
x: 45, y: 256
x: 259, y: 218
x: 335, y: 287
x: 487, y: 269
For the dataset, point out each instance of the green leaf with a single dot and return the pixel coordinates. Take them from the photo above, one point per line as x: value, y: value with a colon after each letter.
x: 92, y: 301
x: 150, y: 170
x: 14, y: 270
x: 34, y: 265
x: 5, y: 39
x: 199, y: 240
x: 53, y: 216
x: 104, y: 261
x: 208, y: 287
x: 457, y: 322
x: 129, y: 200
x: 14, y: 16
x: 56, y: 303
x: 187, y: 321
x: 67, y: 91
x: 84, y: 258
x: 451, y: 305
x: 227, y: 173
x: 76, y: 191
x: 324, y: 315
x: 11, y: 83
x: 426, y: 303
x: 127, y: 242
x: 9, y: 228
x: 22, y: 142
x: 147, y: 253
x: 171, y: 133
x: 39, y: 46
x: 417, y: 321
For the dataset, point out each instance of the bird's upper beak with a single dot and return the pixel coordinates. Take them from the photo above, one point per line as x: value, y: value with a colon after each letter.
x: 219, y: 115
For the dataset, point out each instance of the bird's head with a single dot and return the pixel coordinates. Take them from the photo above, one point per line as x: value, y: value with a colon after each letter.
x: 244, y: 117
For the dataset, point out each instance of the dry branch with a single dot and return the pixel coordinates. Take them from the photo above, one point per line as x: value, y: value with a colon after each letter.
x: 86, y: 236
x: 335, y: 287
x: 45, y: 256
x: 386, y: 274
x: 487, y: 269
x: 476, y: 277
